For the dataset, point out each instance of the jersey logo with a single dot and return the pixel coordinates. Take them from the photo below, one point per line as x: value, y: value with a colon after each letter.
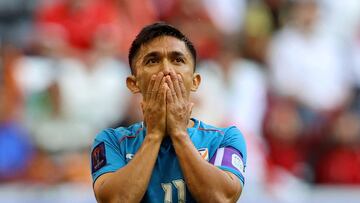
x: 129, y: 156
x: 204, y: 152
x: 237, y: 162
x: 98, y: 157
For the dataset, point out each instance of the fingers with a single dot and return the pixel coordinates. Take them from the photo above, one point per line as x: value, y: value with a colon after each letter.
x: 175, y: 81
x: 161, y: 95
x: 168, y: 88
x: 150, y: 87
x: 171, y: 87
x: 182, y: 87
x: 169, y: 96
x: 156, y: 86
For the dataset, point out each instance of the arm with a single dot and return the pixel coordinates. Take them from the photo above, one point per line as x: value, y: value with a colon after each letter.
x: 221, y: 186
x: 129, y: 183
x: 206, y: 182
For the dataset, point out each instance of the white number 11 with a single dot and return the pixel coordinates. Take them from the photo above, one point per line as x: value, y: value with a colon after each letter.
x: 180, y: 186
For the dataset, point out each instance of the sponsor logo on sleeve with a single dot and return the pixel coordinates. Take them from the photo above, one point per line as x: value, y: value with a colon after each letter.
x: 237, y: 162
x: 98, y: 157
x: 204, y: 152
x: 229, y: 157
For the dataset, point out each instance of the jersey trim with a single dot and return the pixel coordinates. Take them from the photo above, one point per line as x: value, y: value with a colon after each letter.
x: 214, y: 130
x: 239, y: 175
x: 126, y: 137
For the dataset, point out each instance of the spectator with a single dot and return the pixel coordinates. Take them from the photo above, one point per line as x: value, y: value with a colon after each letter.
x: 16, y: 21
x: 70, y: 25
x: 227, y: 16
x: 81, y: 96
x: 296, y: 70
x: 16, y: 147
x: 285, y: 138
x: 193, y: 19
x: 133, y: 15
x: 241, y: 81
x: 339, y: 160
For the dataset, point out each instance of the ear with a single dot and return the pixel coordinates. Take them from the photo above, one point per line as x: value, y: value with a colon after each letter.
x: 196, y: 80
x: 132, y: 84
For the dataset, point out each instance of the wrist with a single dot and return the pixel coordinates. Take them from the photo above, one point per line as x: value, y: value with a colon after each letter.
x: 179, y: 134
x: 155, y: 136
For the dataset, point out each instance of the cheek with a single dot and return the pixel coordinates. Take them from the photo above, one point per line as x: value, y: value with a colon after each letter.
x: 144, y: 81
x: 188, y: 83
x: 143, y: 84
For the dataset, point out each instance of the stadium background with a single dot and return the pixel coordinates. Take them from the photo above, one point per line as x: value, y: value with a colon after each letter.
x: 287, y: 73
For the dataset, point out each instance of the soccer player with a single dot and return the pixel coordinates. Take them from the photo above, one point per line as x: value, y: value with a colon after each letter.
x: 170, y: 157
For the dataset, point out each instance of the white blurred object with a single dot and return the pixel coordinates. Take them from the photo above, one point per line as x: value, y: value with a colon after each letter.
x: 34, y: 74
x: 248, y: 96
x: 33, y: 193
x: 309, y: 67
x: 227, y: 15
x: 341, y: 17
x: 91, y: 98
x: 97, y: 95
x: 238, y: 99
x: 210, y: 100
x: 355, y: 55
x: 288, y: 188
x: 255, y: 174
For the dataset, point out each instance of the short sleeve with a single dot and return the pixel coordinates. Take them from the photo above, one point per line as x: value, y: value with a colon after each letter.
x: 105, y: 155
x: 231, y: 154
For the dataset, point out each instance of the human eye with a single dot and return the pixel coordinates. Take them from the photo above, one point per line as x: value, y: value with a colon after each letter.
x: 179, y: 60
x: 151, y: 61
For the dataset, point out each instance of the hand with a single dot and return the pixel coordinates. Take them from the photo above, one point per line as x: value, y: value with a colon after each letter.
x: 179, y: 108
x: 154, y: 106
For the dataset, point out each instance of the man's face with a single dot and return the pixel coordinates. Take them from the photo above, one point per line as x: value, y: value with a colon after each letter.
x: 164, y: 54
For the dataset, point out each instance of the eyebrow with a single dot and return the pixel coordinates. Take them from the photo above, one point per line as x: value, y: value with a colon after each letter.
x: 157, y: 54
x: 176, y: 54
x: 152, y: 54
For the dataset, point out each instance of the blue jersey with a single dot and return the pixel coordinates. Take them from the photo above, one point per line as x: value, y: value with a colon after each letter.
x: 222, y: 147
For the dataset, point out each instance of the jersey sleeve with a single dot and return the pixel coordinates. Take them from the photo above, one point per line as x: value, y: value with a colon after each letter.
x: 106, y: 155
x: 231, y: 154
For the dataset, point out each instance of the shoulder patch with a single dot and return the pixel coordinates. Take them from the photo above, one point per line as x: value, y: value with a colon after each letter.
x: 98, y: 157
x: 230, y: 157
x: 204, y: 152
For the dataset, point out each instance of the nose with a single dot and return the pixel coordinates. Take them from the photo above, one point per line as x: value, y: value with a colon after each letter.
x: 166, y: 67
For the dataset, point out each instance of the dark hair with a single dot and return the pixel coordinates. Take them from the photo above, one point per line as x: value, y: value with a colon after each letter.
x: 150, y: 32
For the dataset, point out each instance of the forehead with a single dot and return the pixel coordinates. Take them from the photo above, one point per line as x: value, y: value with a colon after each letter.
x: 164, y: 44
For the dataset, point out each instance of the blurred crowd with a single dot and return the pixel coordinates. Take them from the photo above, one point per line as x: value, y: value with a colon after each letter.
x: 286, y: 72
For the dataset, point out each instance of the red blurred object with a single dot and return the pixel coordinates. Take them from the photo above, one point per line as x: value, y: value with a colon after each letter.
x: 282, y: 130
x: 340, y: 166
x: 80, y: 22
x: 79, y: 19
